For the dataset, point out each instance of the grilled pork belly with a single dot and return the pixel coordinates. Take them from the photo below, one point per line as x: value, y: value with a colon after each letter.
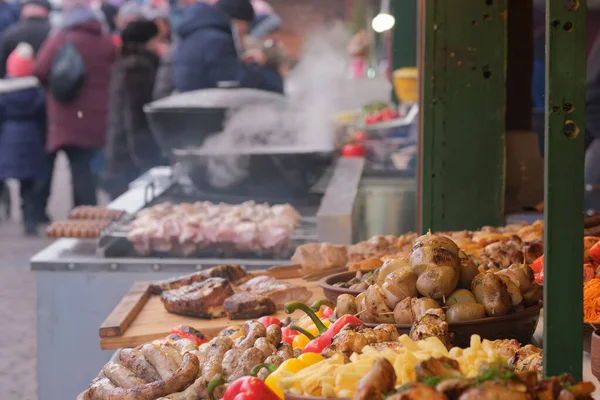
x: 279, y: 291
x: 248, y: 306
x: 231, y: 273
x: 201, y: 299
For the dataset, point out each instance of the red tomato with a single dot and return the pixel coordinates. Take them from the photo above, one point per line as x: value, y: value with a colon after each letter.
x: 387, y: 114
x: 353, y: 150
x: 360, y: 136
x: 268, y: 321
x: 372, y: 119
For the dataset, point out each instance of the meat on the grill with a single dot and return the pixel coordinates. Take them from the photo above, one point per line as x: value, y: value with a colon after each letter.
x: 279, y: 291
x: 201, y: 299
x: 186, y: 228
x: 248, y: 306
x: 232, y: 273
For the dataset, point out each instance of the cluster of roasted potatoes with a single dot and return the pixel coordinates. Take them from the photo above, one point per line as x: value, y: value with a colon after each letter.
x: 439, y: 275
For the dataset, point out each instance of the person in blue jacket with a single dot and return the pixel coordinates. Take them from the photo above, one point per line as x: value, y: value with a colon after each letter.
x: 207, y: 51
x: 22, y: 131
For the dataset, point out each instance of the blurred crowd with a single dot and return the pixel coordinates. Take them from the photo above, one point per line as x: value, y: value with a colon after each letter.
x: 79, y: 87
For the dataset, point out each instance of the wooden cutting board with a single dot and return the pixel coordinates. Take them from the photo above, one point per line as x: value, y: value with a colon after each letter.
x: 140, y: 317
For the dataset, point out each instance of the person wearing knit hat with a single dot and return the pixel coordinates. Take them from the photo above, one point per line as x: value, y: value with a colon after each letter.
x: 209, y: 50
x: 33, y: 28
x: 20, y: 62
x: 22, y: 132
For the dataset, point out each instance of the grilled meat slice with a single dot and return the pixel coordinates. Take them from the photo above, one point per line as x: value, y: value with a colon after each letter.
x: 528, y: 358
x: 202, y: 299
x: 418, y: 391
x: 442, y: 367
x: 248, y: 306
x: 496, y: 391
x: 432, y: 324
x: 233, y: 273
x: 278, y: 291
x: 379, y: 380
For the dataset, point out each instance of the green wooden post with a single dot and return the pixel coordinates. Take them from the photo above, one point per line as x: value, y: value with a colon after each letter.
x: 563, y: 236
x: 463, y: 74
x: 404, y: 39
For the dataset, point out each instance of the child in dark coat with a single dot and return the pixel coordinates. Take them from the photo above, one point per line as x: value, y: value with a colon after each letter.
x: 22, y: 131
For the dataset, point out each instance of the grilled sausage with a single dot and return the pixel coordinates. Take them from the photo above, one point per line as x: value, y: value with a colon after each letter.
x: 103, y: 389
x: 121, y: 376
x: 249, y: 359
x: 135, y: 361
x: 164, y: 363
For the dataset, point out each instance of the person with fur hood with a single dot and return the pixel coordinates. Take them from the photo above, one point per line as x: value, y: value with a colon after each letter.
x: 131, y: 148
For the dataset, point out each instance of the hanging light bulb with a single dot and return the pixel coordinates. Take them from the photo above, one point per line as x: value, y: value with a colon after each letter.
x: 384, y: 21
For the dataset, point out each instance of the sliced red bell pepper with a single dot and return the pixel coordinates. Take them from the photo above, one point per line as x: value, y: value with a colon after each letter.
x: 317, y: 345
x: 538, y: 264
x: 268, y: 321
x: 245, y: 388
x: 288, y: 335
x: 187, y: 332
x: 327, y: 312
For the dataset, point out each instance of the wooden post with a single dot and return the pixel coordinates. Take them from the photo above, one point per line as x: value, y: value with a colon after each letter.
x: 563, y: 236
x: 463, y: 74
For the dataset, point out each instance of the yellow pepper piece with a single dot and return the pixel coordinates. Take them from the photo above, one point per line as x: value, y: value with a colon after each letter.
x: 310, y: 358
x: 290, y: 367
x: 305, y: 321
x: 300, y: 341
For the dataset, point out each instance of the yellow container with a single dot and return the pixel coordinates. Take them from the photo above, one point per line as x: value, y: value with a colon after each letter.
x: 406, y: 85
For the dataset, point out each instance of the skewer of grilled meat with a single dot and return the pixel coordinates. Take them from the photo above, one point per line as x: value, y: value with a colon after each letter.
x: 353, y: 338
x: 432, y: 324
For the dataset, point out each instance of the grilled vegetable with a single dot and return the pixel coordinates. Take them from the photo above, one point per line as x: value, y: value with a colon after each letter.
x: 491, y: 292
x: 460, y: 296
x: 461, y: 312
x: 346, y: 304
x: 437, y: 282
x: 398, y: 285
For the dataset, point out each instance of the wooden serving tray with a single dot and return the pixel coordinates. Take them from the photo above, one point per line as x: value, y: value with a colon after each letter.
x: 141, y: 317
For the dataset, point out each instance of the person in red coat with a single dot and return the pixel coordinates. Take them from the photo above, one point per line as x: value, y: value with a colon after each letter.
x: 78, y: 128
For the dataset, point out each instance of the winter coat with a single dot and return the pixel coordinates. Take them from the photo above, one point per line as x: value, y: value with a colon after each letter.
x: 131, y: 148
x: 163, y: 86
x: 206, y: 54
x: 82, y: 122
x: 32, y: 30
x: 22, y: 127
x: 9, y: 14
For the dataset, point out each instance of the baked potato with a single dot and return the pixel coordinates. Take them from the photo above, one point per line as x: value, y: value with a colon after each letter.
x: 468, y: 271
x: 491, y: 292
x: 388, y: 267
x: 346, y: 304
x: 375, y: 308
x: 437, y: 282
x: 533, y: 296
x: 460, y: 296
x: 460, y: 312
x: 412, y: 309
x: 398, y: 285
x: 434, y: 250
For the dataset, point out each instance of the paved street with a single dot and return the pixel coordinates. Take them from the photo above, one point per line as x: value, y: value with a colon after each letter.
x: 18, y: 293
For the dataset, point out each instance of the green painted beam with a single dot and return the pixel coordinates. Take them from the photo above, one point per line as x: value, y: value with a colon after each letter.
x: 404, y: 34
x: 463, y: 74
x: 563, y: 236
